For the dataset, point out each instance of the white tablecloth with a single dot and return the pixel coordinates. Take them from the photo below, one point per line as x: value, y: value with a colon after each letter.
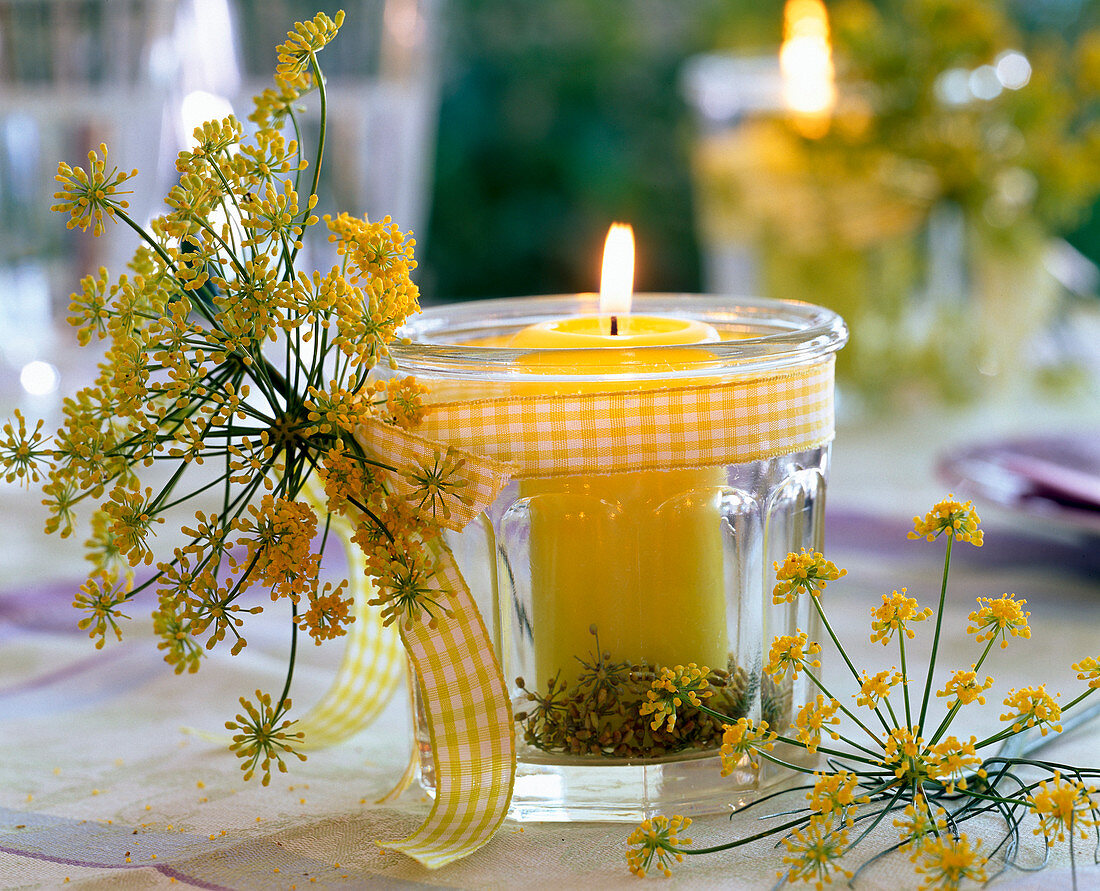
x: 100, y: 785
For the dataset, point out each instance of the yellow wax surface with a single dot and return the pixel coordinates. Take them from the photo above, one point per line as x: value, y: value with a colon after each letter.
x: 638, y: 554
x: 595, y: 331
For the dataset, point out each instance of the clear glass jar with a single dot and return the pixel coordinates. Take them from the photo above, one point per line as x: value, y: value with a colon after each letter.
x: 591, y: 583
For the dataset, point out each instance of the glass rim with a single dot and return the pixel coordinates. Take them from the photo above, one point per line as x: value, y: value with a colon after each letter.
x: 770, y: 333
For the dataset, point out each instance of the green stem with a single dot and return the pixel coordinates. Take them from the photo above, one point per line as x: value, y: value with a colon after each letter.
x: 199, y: 305
x: 270, y: 373
x: 241, y: 271
x: 378, y: 524
x: 905, y: 679
x: 1002, y: 735
x: 844, y: 654
x: 971, y: 793
x: 1069, y: 705
x: 767, y: 833
x: 936, y: 638
x: 293, y: 654
x: 946, y: 722
x: 725, y: 719
x: 191, y: 495
x: 322, y: 92
x: 238, y: 431
x: 146, y: 237
x: 288, y: 256
x: 878, y: 819
x: 167, y: 490
x: 238, y: 504
x: 236, y: 204
x: 890, y: 708
x: 988, y: 647
x: 1072, y: 859
x: 781, y: 763
x: 836, y: 641
x: 293, y: 118
x: 844, y: 709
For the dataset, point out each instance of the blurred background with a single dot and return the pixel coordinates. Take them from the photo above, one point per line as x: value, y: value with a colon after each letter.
x: 929, y: 168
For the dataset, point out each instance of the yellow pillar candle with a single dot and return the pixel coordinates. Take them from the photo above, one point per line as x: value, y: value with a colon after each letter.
x: 638, y: 555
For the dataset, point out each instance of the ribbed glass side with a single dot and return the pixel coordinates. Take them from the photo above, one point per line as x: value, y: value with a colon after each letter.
x: 684, y: 576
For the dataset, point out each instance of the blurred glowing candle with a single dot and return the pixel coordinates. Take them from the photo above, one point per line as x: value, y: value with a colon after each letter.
x: 806, y: 66
x: 637, y: 555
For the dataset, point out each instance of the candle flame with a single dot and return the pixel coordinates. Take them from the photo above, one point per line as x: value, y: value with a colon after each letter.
x: 806, y: 62
x: 617, y: 280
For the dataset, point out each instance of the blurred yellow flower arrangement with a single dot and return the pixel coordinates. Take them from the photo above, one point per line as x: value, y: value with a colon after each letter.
x: 959, y: 146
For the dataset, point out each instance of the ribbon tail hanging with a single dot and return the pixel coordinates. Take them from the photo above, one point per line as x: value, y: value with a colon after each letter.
x: 469, y: 718
x: 372, y: 666
x: 467, y: 708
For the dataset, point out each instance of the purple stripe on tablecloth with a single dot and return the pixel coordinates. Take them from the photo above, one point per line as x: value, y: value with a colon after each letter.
x: 48, y: 606
x: 1005, y: 548
x: 41, y: 607
x: 166, y: 871
x: 66, y: 673
x: 100, y: 845
x: 84, y: 683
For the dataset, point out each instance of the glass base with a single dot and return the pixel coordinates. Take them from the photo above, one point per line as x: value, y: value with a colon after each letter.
x: 563, y: 790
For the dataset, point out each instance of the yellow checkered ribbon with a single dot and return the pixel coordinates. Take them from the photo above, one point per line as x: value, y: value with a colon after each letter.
x: 729, y: 422
x: 371, y: 668
x: 409, y: 452
x: 469, y: 723
x: 372, y: 665
x: 468, y: 711
x: 467, y: 706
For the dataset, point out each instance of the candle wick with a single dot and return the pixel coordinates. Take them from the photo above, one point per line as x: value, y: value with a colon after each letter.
x: 614, y: 325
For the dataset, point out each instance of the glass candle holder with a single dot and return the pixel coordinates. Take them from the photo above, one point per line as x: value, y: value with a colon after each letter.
x: 592, y: 582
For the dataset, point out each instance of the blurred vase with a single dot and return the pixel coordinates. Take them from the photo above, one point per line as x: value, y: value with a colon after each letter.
x: 776, y: 221
x: 985, y: 304
x: 1014, y: 297
x: 73, y: 74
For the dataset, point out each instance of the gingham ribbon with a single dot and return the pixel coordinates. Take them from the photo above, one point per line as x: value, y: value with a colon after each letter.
x: 371, y: 668
x: 408, y: 452
x: 468, y: 711
x: 729, y: 422
x: 469, y: 722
